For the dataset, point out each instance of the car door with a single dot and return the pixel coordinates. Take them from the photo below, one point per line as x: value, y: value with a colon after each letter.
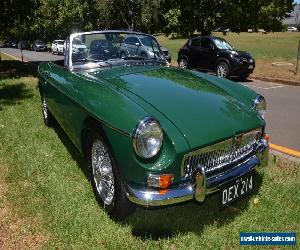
x: 127, y: 45
x: 208, y: 54
x: 135, y: 46
x: 59, y: 87
x: 194, y: 53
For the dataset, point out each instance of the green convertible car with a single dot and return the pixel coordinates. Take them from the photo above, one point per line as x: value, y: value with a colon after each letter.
x: 152, y: 134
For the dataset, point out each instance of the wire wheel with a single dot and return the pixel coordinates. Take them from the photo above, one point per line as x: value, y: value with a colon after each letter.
x: 102, y: 171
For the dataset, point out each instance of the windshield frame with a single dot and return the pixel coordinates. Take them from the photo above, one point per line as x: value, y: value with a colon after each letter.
x: 69, y: 44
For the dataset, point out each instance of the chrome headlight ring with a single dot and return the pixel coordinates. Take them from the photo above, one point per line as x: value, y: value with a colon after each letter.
x: 259, y: 104
x: 147, y: 138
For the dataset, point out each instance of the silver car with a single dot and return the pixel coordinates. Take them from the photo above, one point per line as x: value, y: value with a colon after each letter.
x: 140, y: 45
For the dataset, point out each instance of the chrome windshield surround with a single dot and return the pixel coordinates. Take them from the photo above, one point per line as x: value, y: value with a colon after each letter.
x: 70, y: 40
x: 219, y: 157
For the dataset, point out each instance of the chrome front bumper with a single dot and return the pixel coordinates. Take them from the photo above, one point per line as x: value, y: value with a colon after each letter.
x: 200, y: 186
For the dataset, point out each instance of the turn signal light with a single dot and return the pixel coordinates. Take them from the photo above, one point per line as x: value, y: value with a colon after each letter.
x: 160, y: 181
x: 266, y: 137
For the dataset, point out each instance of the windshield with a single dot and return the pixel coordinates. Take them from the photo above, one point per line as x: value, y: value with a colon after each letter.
x: 111, y: 47
x: 222, y: 44
x: 60, y: 42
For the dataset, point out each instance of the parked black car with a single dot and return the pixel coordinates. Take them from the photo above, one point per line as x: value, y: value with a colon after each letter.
x: 39, y: 46
x: 10, y: 44
x: 212, y: 53
x: 23, y: 45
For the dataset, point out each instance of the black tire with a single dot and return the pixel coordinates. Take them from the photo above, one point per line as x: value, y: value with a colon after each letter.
x: 223, y: 70
x: 47, y: 116
x: 183, y: 63
x: 118, y: 206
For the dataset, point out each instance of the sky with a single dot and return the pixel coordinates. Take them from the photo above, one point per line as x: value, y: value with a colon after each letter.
x: 297, y: 1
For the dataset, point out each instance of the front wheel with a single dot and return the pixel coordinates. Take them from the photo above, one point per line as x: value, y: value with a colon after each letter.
x: 106, y: 181
x: 223, y: 70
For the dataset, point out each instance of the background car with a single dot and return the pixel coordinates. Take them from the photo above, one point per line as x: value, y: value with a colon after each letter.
x: 140, y: 45
x: 39, y: 45
x: 214, y: 54
x: 292, y: 29
x: 57, y: 47
x: 10, y: 44
x: 166, y: 53
x: 23, y: 45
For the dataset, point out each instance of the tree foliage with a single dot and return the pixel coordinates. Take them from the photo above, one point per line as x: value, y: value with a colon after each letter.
x: 49, y: 19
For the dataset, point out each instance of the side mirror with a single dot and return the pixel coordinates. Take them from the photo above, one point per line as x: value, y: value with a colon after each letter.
x: 211, y: 47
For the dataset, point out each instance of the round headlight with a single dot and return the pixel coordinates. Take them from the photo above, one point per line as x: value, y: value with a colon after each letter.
x: 147, y: 138
x: 259, y: 104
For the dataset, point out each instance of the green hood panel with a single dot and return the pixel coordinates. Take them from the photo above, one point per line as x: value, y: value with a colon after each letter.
x: 203, y: 111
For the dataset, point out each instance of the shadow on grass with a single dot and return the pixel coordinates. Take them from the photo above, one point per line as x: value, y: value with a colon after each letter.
x: 76, y: 156
x: 16, y: 69
x: 168, y: 222
x: 13, y: 94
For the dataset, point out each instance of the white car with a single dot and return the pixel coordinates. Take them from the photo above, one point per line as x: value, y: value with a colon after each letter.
x: 58, y: 46
x: 292, y: 29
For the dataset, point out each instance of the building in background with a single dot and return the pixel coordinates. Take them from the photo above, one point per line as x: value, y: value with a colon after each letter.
x: 294, y: 19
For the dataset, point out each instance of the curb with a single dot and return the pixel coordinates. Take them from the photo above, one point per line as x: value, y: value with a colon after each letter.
x: 276, y: 80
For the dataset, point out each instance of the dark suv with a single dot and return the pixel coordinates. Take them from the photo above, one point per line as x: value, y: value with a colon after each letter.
x: 212, y: 53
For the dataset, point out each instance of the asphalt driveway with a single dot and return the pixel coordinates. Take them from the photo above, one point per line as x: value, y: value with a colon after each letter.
x: 283, y: 102
x: 283, y: 112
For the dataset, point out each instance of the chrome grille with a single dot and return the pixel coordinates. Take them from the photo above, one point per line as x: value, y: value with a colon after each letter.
x: 219, y: 157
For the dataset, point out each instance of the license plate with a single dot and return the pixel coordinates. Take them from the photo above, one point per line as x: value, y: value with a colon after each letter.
x: 236, y: 189
x: 250, y: 67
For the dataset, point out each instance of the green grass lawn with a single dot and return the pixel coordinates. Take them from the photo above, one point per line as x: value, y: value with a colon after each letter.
x: 47, y: 188
x: 280, y: 45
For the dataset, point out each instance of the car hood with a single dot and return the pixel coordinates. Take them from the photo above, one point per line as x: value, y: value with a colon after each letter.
x: 203, y: 111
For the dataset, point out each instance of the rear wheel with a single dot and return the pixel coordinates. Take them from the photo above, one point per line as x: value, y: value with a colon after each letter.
x: 183, y: 63
x: 223, y: 70
x: 106, y: 181
x: 47, y: 116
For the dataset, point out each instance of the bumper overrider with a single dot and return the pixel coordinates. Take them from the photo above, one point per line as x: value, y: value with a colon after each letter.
x: 200, y: 185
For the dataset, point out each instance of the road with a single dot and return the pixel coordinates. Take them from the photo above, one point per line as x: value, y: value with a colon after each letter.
x: 283, y: 112
x: 283, y: 102
x: 32, y: 56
